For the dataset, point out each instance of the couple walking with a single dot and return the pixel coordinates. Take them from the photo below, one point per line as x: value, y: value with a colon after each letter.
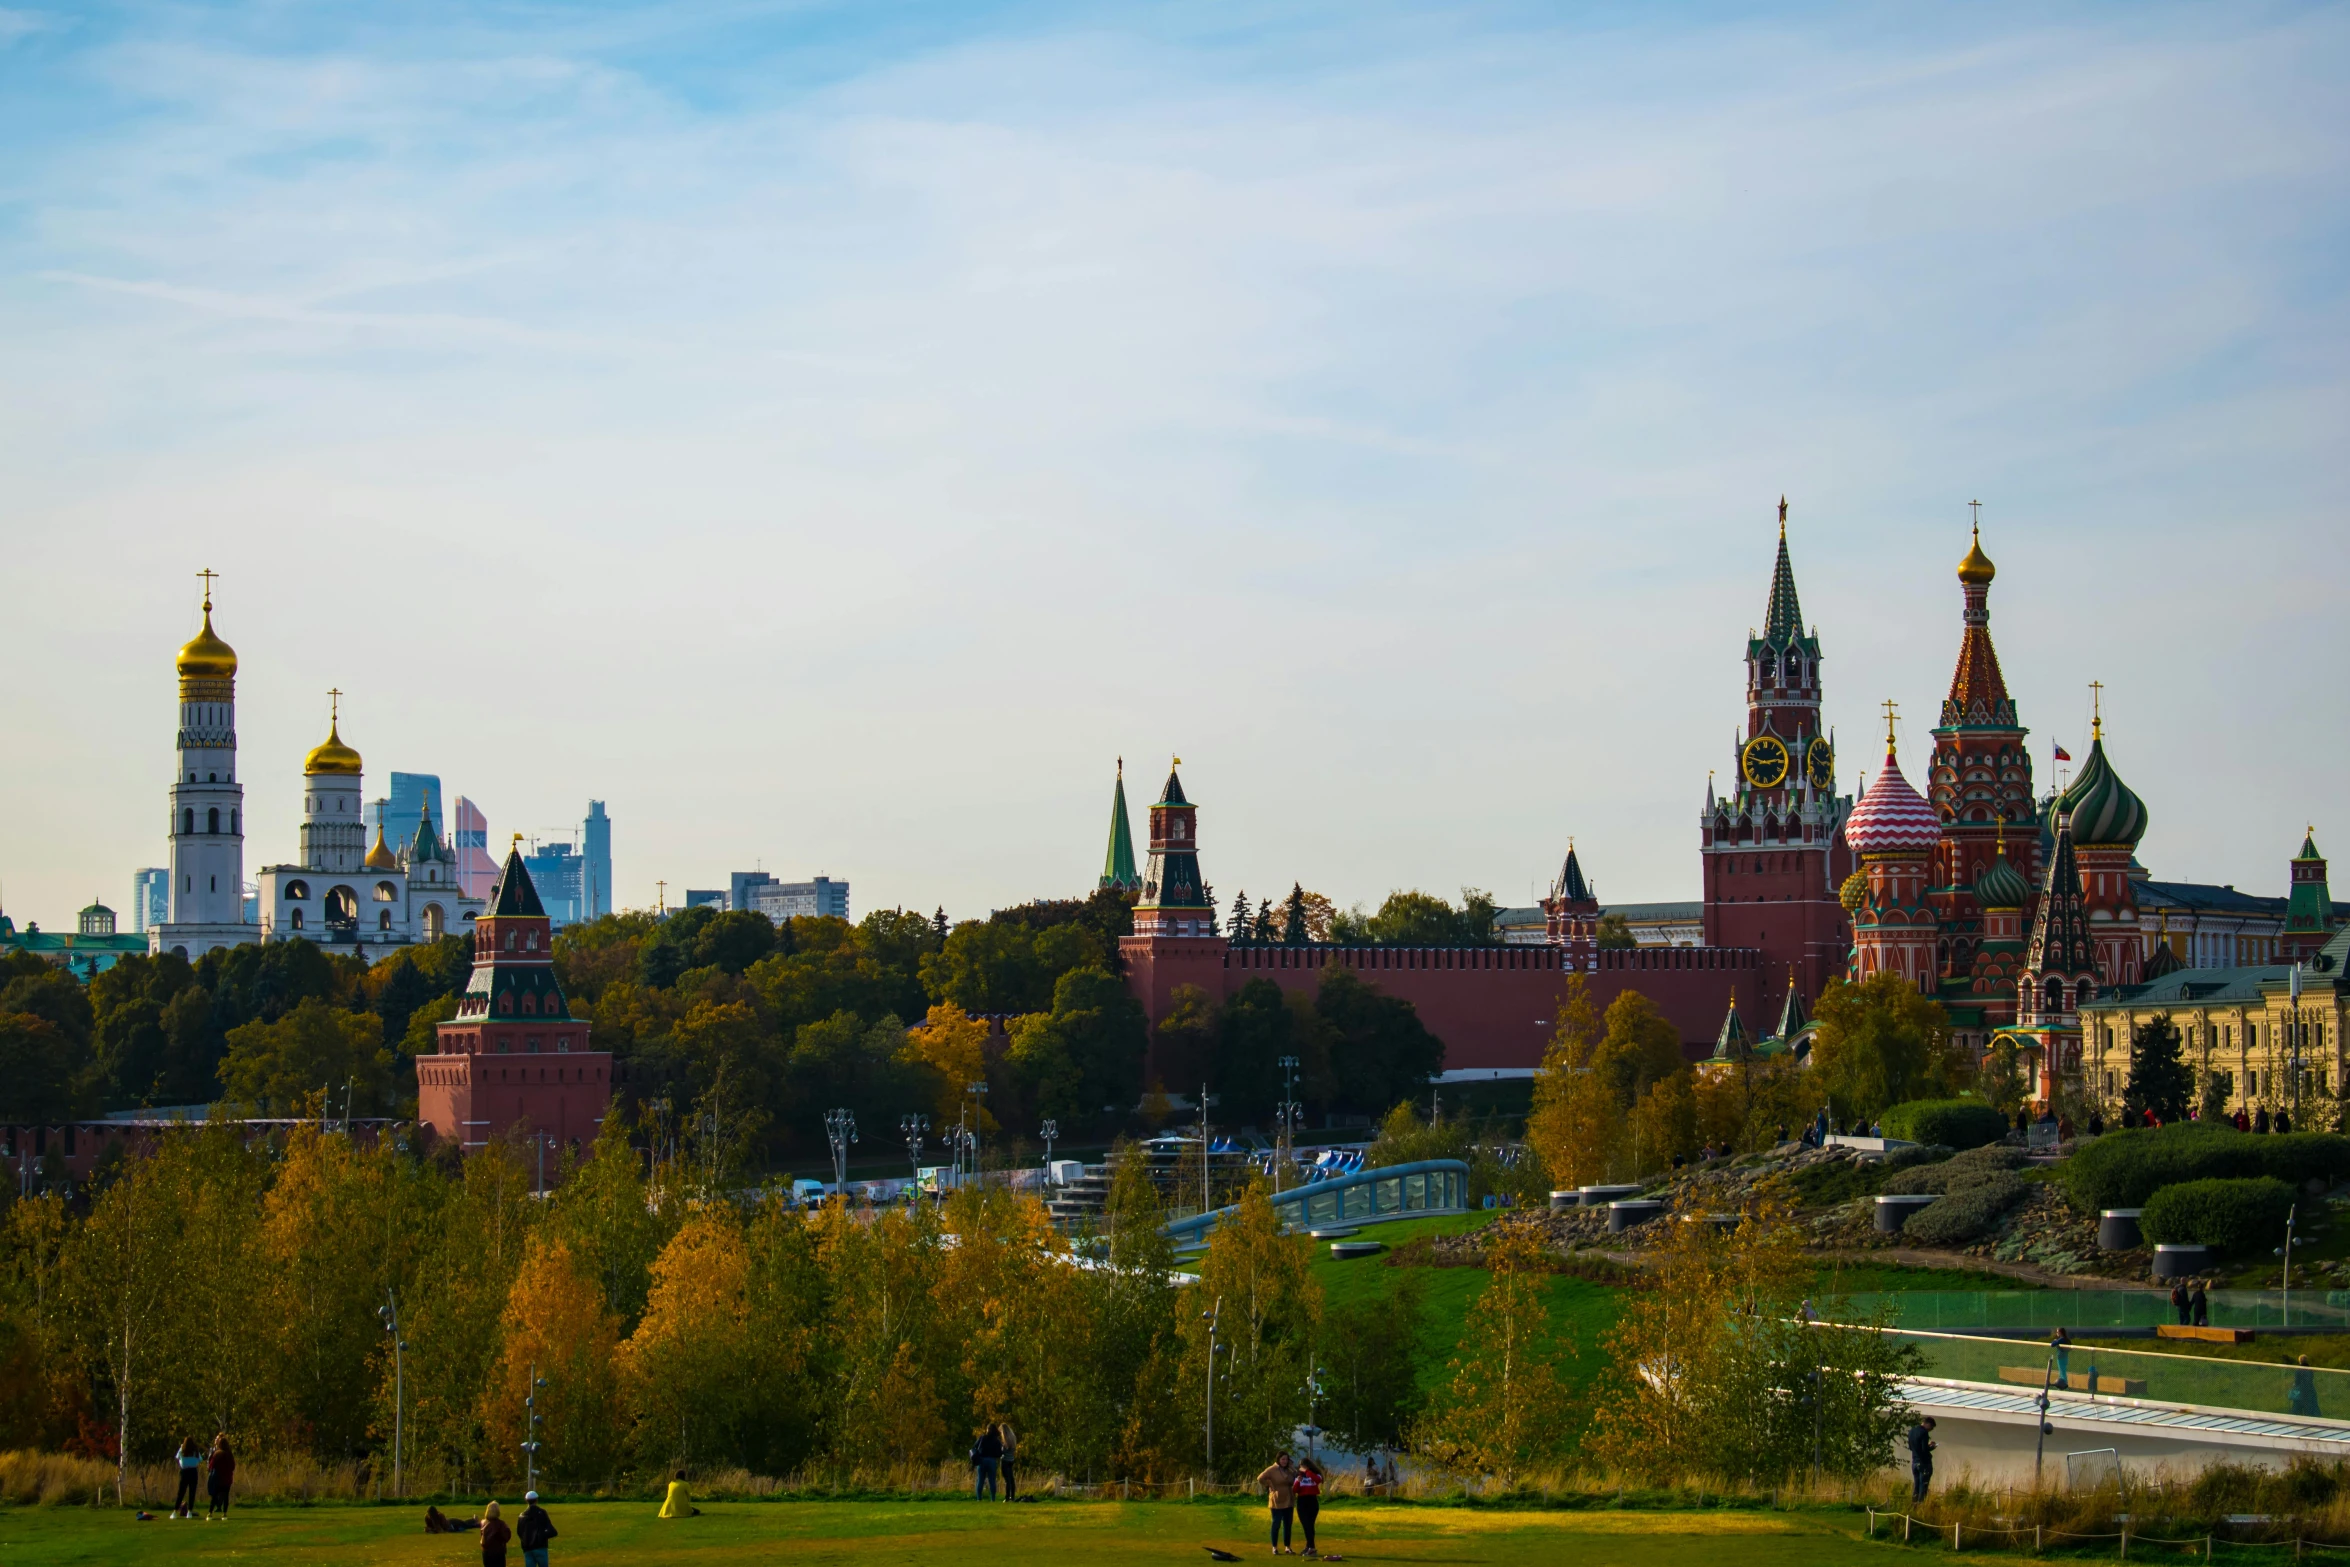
x: 1292, y: 1490
x: 222, y: 1465
x: 991, y: 1457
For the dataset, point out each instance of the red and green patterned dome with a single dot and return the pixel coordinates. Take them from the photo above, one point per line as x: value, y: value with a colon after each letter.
x: 2105, y: 812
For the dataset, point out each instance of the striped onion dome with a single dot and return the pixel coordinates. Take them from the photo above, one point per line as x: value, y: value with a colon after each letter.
x: 2104, y: 810
x: 1891, y: 818
x: 2002, y: 886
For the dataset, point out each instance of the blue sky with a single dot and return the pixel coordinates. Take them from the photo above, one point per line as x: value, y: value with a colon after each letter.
x: 831, y: 435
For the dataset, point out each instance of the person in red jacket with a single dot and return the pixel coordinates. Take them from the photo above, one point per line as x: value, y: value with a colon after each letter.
x: 1306, y: 1488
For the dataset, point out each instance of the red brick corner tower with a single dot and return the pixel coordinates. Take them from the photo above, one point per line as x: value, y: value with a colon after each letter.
x: 514, y: 1056
x: 1771, y: 850
x: 1174, y: 941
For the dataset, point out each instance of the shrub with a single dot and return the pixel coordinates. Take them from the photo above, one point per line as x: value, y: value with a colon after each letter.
x: 2124, y: 1169
x: 1961, y: 1123
x: 2228, y: 1215
x: 1971, y: 1168
x: 1967, y: 1214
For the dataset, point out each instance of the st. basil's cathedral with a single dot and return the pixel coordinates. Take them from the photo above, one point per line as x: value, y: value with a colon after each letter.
x: 2018, y: 912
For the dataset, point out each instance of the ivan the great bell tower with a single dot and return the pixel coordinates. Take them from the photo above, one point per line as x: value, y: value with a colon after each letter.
x: 1771, y: 846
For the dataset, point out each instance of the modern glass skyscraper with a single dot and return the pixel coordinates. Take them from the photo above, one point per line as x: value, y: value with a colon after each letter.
x: 477, y: 873
x: 559, y: 873
x: 150, y: 897
x: 396, y: 812
x: 596, y: 839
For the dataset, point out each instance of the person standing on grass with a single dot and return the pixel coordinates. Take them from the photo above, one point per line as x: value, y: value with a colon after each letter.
x: 987, y: 1457
x: 494, y: 1535
x: 2178, y: 1299
x: 222, y: 1465
x: 1921, y: 1459
x: 1279, y: 1481
x: 191, y: 1461
x: 2202, y: 1304
x: 1011, y: 1450
x: 533, y: 1530
x: 1307, y: 1488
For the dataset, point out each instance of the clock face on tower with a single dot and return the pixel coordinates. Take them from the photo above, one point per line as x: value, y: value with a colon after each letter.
x: 1764, y: 761
x: 1819, y: 764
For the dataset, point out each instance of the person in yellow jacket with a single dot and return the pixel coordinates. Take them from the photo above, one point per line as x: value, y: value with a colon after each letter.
x: 679, y: 1503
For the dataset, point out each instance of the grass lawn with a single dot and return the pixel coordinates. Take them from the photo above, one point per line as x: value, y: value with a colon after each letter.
x: 947, y: 1531
x: 1579, y: 1309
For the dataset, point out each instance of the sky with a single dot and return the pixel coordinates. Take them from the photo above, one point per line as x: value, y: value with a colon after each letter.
x: 833, y: 435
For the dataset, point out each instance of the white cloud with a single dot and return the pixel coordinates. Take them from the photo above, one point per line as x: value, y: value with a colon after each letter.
x: 1390, y: 424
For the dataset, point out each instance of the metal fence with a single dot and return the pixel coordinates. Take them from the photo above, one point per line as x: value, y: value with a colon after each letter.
x: 1947, y: 1311
x: 2309, y: 1392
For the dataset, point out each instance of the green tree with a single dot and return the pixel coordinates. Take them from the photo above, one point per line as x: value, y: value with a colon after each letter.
x: 1615, y: 934
x: 1267, y: 1309
x: 1006, y: 968
x: 2161, y: 1082
x: 1369, y: 1355
x: 42, y: 1074
x: 1504, y: 1406
x: 312, y: 1049
x: 1084, y: 1059
x: 1379, y: 1049
x: 1880, y: 1042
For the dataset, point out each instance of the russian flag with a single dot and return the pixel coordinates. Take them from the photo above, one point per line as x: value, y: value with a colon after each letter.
x: 2062, y: 754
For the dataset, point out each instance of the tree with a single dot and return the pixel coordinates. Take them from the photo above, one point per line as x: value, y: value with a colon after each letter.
x: 1295, y: 929
x: 1254, y: 1277
x: 1575, y: 1124
x: 1369, y: 1354
x: 950, y: 1045
x: 556, y: 1327
x: 1664, y: 1123
x: 1240, y: 922
x: 684, y: 1364
x: 1380, y: 1051
x: 2004, y: 1085
x: 41, y: 1072
x: 1084, y: 1058
x: 1504, y: 1406
x: 2161, y: 1081
x: 1003, y: 967
x: 1880, y: 1042
x: 315, y: 1048
x: 1639, y: 1048
x: 1615, y: 934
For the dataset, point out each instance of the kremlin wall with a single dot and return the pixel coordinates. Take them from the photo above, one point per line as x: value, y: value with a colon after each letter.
x: 2017, y: 911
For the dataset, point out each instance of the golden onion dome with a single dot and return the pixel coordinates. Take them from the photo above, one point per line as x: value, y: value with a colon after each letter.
x: 1976, y: 570
x: 207, y: 657
x: 331, y: 755
x: 381, y: 857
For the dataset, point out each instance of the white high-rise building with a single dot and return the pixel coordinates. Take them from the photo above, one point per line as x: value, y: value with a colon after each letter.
x: 207, y: 806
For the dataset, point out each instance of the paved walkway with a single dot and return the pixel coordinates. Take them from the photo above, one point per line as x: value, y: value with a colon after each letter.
x: 2189, y: 1422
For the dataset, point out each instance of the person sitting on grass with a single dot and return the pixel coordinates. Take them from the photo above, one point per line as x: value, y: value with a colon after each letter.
x: 679, y: 1503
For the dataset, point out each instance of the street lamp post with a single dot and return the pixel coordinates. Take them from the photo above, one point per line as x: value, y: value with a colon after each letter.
x: 978, y: 1092
x: 530, y: 1445
x: 912, y: 1128
x: 1287, y: 1153
x: 1049, y: 1131
x: 1210, y: 1318
x: 840, y: 1130
x: 389, y: 1313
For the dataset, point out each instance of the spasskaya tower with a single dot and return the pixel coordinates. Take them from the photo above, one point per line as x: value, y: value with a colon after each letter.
x: 1770, y: 844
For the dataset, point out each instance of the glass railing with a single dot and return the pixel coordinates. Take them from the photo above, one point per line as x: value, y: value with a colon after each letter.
x: 2266, y: 1386
x: 1958, y: 1311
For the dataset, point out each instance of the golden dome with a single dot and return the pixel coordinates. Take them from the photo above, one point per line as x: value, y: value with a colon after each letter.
x: 1976, y: 570
x: 381, y: 857
x: 207, y: 657
x: 331, y: 755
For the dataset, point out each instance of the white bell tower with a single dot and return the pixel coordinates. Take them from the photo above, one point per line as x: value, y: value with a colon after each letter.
x: 207, y: 828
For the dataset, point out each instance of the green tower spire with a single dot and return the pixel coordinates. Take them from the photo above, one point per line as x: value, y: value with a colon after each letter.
x: 1118, y: 865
